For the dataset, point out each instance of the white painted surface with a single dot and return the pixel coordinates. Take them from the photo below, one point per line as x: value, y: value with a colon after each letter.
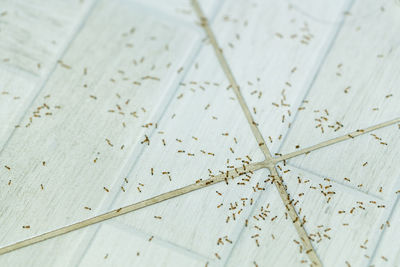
x: 154, y: 55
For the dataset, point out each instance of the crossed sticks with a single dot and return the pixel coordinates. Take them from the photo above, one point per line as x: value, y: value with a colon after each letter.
x: 269, y: 163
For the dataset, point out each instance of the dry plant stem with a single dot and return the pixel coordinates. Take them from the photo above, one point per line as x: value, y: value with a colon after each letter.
x: 278, y: 182
x: 335, y: 140
x: 145, y: 203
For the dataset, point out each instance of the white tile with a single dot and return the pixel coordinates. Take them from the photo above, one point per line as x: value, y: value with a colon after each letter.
x: 196, y: 122
x: 58, y: 149
x: 33, y: 33
x: 16, y: 92
x: 274, y: 236
x: 58, y: 251
x: 138, y: 69
x: 388, y: 249
x: 321, y: 11
x: 275, y: 51
x: 341, y: 243
x: 196, y: 221
x: 373, y: 81
x: 116, y: 246
x: 180, y: 9
x: 363, y: 217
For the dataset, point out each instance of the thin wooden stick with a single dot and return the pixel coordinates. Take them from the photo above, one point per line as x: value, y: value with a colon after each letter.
x: 269, y: 163
x: 335, y: 140
x: 278, y: 182
x: 298, y: 223
x: 218, y: 51
x: 230, y: 174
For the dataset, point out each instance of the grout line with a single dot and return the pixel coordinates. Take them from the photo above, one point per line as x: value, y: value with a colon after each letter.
x: 314, y: 78
x: 159, y: 116
x: 163, y: 242
x: 158, y: 14
x: 277, y: 180
x: 242, y: 229
x: 137, y: 154
x: 62, y: 51
x: 393, y: 207
x: 152, y: 8
x: 308, y: 15
x: 161, y: 113
x: 120, y: 211
x: 18, y: 70
x: 252, y: 167
x: 84, y: 242
x: 253, y: 126
x: 381, y: 235
x: 77, y: 263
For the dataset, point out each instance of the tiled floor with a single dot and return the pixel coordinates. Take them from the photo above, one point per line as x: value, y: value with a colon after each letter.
x: 107, y: 103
